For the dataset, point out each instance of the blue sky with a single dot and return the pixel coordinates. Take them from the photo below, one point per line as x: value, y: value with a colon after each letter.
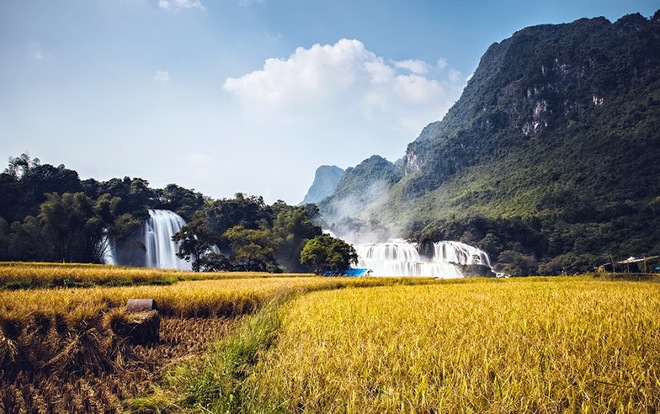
x: 245, y: 96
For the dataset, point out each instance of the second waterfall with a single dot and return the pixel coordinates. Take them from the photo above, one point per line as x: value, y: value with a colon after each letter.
x: 451, y: 259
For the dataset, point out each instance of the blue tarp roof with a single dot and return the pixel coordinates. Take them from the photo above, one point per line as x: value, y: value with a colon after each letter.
x: 352, y: 272
x: 361, y: 271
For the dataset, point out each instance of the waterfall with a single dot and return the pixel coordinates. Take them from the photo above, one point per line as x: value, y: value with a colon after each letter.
x: 401, y: 258
x: 109, y: 251
x: 457, y: 252
x: 392, y: 258
x: 160, y: 249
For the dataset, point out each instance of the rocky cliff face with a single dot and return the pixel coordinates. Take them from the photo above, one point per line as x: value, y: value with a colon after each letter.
x: 536, y: 84
x: 548, y: 91
x: 325, y: 182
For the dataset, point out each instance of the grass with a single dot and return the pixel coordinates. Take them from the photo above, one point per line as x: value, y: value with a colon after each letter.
x: 213, y: 382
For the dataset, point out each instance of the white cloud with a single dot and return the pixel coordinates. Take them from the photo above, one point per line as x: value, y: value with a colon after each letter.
x: 347, y: 83
x: 161, y: 76
x: 415, y: 66
x: 454, y: 75
x: 442, y: 63
x: 180, y: 4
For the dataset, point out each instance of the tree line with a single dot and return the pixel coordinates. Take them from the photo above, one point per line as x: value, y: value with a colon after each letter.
x: 48, y: 214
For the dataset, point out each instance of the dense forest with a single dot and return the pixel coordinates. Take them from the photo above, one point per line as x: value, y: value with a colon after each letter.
x: 48, y: 214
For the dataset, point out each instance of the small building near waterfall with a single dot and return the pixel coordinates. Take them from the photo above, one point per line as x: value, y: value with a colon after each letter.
x: 632, y: 264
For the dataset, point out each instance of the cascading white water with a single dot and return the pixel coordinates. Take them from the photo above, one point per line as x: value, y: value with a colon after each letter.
x: 457, y: 252
x: 393, y: 258
x: 401, y: 258
x: 109, y: 251
x: 160, y: 249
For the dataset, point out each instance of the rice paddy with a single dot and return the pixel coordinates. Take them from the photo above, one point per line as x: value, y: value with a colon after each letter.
x: 16, y: 275
x: 285, y: 344
x: 556, y: 345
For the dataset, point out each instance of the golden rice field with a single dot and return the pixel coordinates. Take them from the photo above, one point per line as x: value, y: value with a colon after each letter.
x: 203, y: 298
x: 198, y: 298
x: 301, y: 344
x: 18, y: 275
x: 60, y: 350
x: 518, y: 346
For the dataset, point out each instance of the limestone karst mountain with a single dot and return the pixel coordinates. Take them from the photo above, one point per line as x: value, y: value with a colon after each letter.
x: 558, y: 128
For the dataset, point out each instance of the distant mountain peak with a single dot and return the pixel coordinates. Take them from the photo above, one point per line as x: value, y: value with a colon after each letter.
x: 325, y: 182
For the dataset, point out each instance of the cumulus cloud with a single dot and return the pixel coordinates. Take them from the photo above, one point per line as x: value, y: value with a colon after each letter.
x: 349, y: 82
x: 418, y: 67
x: 180, y: 4
x: 162, y: 76
x: 455, y: 75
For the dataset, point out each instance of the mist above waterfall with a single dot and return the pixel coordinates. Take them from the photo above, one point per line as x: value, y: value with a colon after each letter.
x: 354, y: 217
x: 352, y: 212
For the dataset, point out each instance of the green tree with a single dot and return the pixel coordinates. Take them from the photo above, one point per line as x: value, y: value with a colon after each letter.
x: 4, y: 240
x: 117, y: 227
x: 26, y: 242
x: 250, y: 212
x: 135, y: 194
x: 25, y: 182
x: 517, y: 264
x: 491, y: 244
x: 292, y: 228
x: 252, y: 249
x: 194, y: 241
x: 215, y: 262
x: 181, y: 200
x: 326, y: 254
x: 70, y: 227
